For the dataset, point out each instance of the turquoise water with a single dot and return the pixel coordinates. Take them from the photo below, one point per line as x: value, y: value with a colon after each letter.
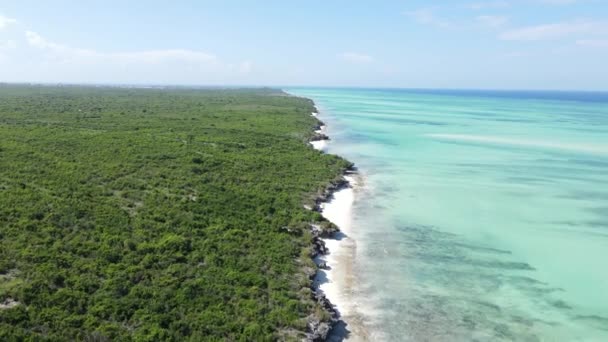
x: 484, y: 215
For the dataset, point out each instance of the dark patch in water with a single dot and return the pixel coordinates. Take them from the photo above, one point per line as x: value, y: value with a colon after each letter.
x: 576, y: 227
x: 410, y: 121
x: 577, y: 96
x: 525, y: 281
x: 522, y: 321
x: 590, y: 162
x: 473, y: 274
x: 488, y: 305
x: 560, y: 304
x: 514, y: 120
x: 503, y: 331
x: 586, y: 195
x: 481, y: 249
x: 597, y: 321
x: 381, y: 138
x: 599, y: 211
x: 425, y: 230
x: 597, y: 223
x: 527, y: 180
x: 505, y: 265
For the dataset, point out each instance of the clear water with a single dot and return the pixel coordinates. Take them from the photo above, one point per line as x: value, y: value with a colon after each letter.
x: 484, y: 215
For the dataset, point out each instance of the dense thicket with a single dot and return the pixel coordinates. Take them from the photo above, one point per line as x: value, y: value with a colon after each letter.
x: 155, y: 214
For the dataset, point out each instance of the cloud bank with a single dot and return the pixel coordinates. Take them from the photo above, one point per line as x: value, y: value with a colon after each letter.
x: 6, y: 21
x: 557, y: 30
x: 34, y: 57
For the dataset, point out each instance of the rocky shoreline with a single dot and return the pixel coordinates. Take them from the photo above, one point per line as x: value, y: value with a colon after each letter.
x: 318, y: 329
x: 318, y: 135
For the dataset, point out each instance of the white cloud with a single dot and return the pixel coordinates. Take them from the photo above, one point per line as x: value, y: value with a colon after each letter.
x: 504, y: 3
x: 427, y: 16
x: 148, y: 56
x: 557, y: 31
x: 489, y: 5
x: 35, y: 40
x: 159, y: 56
x: 596, y: 43
x: 493, y: 21
x: 43, y: 60
x: 558, y: 2
x: 354, y: 57
x: 6, y: 21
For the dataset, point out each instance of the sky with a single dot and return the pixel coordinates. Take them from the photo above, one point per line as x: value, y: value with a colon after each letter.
x: 475, y: 44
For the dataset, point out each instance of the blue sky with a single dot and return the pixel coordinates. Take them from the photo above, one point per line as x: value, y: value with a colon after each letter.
x: 494, y: 44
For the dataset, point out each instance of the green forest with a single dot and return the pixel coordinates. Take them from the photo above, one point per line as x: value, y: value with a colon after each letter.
x: 157, y: 214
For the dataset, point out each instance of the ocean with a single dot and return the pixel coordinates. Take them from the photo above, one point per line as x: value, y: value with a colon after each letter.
x: 483, y: 215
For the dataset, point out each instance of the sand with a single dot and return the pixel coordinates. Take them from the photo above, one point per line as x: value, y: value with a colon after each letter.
x: 337, y: 281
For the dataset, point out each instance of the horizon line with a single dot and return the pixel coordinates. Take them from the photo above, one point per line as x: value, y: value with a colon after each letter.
x: 283, y: 87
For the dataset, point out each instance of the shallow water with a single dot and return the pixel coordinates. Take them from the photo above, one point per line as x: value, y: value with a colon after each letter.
x: 485, y: 215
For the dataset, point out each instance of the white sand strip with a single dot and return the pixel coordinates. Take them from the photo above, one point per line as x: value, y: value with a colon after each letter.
x: 336, y: 282
x: 320, y: 145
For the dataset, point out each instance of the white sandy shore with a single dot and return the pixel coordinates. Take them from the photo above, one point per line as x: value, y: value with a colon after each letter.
x: 337, y: 281
x: 320, y: 145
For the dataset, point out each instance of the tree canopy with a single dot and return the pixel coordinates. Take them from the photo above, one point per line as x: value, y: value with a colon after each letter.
x: 156, y: 214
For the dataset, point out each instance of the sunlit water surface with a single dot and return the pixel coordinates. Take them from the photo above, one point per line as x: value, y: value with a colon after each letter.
x: 484, y: 214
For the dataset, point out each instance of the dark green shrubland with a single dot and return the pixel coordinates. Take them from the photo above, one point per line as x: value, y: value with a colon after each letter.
x: 147, y: 214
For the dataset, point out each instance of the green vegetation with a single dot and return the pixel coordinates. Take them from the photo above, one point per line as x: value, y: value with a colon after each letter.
x: 156, y: 214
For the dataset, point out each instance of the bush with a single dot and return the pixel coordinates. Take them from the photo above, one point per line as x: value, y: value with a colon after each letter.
x: 118, y: 230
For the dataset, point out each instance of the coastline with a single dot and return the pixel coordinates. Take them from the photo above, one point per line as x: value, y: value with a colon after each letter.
x: 334, y: 277
x: 418, y: 275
